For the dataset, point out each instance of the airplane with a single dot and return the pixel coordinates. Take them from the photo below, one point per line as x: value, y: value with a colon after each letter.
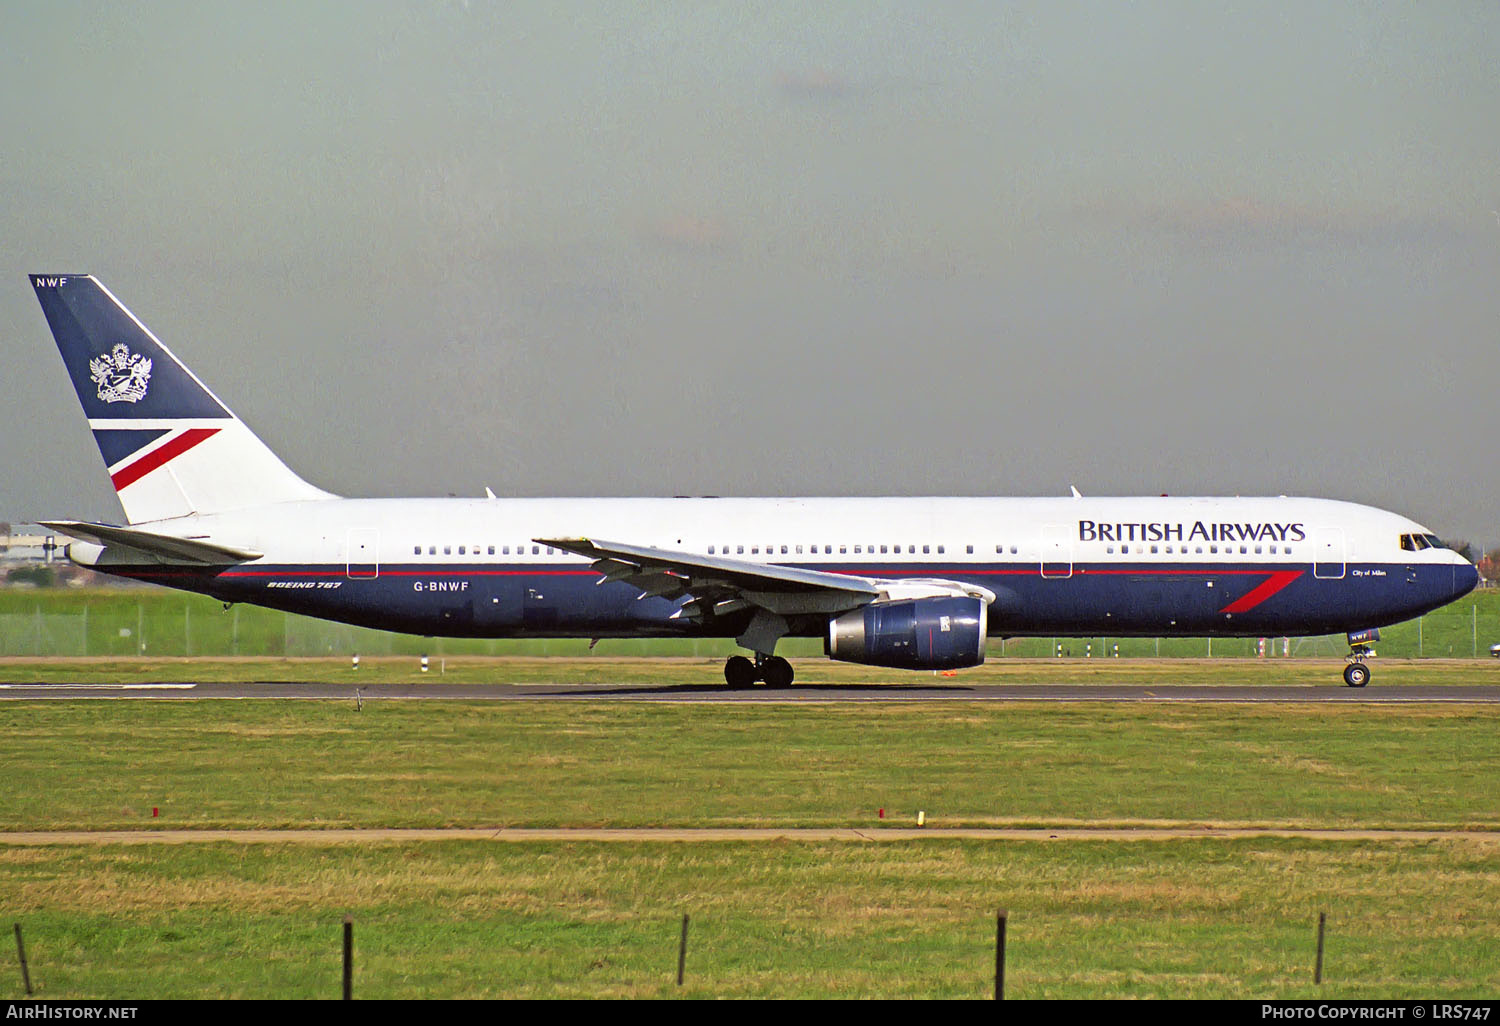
x: 903, y: 583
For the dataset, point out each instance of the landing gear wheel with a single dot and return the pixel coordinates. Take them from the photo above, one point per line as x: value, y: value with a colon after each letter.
x: 776, y: 672
x: 1356, y: 675
x: 739, y: 672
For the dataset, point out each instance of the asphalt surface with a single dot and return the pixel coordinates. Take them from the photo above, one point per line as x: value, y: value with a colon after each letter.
x: 519, y: 835
x: 705, y: 693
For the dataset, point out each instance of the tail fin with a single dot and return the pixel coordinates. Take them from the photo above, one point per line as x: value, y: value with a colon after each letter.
x: 171, y: 447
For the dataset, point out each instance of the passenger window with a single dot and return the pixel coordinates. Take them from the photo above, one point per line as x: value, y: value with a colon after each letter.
x: 505, y: 550
x: 417, y: 551
x: 535, y: 550
x: 940, y: 550
x: 1153, y: 550
x: 739, y: 550
x: 799, y: 550
x: 755, y: 550
x: 783, y: 550
x: 856, y: 550
x: 969, y: 549
x: 1213, y: 549
x: 432, y: 550
x: 447, y: 550
x: 710, y: 550
x: 491, y: 550
x: 843, y: 549
x: 925, y: 550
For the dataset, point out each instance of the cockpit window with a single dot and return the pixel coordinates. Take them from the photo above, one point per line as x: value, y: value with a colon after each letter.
x: 1407, y: 544
x: 1433, y: 540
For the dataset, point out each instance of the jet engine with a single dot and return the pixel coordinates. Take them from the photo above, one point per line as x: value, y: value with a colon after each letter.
x: 940, y: 633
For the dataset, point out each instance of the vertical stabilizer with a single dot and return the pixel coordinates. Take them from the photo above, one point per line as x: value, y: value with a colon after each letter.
x: 171, y: 447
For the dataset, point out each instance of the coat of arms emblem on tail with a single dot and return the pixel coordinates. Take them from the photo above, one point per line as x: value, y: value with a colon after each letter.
x: 122, y: 376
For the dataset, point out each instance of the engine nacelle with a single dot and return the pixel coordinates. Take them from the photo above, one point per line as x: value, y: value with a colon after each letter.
x: 941, y: 633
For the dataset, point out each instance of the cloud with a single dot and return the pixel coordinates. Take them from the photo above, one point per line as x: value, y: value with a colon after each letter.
x: 688, y: 232
x: 812, y: 84
x: 1253, y: 219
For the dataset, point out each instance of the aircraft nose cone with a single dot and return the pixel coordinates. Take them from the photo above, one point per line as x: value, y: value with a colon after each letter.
x: 1465, y: 579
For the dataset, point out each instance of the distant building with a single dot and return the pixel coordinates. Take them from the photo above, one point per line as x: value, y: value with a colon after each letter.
x: 31, y: 543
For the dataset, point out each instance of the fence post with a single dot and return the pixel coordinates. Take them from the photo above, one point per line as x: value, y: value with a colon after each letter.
x: 682, y: 950
x: 348, y: 957
x: 1000, y: 918
x: 1318, y: 968
x: 21, y: 950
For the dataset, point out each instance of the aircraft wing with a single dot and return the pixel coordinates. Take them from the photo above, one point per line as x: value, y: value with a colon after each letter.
x: 671, y: 574
x: 719, y: 586
x: 195, y: 550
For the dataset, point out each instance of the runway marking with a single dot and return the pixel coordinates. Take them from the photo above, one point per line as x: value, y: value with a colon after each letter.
x: 724, y: 834
x: 101, y: 687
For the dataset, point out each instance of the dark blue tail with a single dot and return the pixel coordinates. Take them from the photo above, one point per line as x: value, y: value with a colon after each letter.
x: 118, y: 367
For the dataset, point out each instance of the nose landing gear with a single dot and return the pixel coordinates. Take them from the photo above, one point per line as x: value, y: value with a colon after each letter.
x: 774, y: 671
x: 1356, y: 673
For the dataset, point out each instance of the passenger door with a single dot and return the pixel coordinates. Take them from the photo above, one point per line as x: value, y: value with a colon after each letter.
x: 362, y: 553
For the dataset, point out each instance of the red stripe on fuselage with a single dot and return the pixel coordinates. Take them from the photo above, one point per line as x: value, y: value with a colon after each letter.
x: 159, y: 457
x: 1255, y: 596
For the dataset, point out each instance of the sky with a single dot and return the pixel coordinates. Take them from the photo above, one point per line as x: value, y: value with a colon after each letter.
x: 777, y: 249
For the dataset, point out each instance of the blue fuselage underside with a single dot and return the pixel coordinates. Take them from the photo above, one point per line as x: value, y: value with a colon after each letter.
x: 1152, y: 600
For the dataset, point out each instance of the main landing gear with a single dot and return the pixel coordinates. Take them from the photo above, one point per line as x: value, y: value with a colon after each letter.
x: 740, y: 672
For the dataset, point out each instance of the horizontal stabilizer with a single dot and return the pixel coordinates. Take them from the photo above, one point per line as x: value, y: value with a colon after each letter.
x: 194, y: 550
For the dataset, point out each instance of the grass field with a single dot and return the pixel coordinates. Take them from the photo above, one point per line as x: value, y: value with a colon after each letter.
x: 105, y: 765
x: 156, y: 622
x: 1184, y: 918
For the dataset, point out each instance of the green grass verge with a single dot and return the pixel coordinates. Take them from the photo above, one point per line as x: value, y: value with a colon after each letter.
x: 1181, y: 919
x: 106, y: 764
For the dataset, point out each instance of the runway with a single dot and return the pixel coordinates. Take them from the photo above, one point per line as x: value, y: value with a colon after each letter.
x: 521, y: 835
x: 805, y: 693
